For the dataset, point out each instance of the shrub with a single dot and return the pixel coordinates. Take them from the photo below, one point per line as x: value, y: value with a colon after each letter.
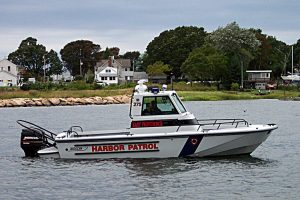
x: 235, y: 86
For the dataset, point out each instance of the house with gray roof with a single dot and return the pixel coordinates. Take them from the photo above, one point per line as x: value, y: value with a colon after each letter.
x: 116, y: 71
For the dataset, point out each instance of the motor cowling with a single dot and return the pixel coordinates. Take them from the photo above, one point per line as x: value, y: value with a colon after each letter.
x: 32, y: 142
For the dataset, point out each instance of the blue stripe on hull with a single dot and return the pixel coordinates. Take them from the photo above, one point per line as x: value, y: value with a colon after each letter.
x: 191, y: 145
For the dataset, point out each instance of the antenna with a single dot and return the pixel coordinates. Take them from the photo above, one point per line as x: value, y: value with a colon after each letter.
x: 292, y: 60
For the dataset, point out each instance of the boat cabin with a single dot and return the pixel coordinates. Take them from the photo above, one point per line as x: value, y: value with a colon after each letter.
x: 159, y: 108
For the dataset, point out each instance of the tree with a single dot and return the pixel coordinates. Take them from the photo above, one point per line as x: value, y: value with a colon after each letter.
x: 238, y: 44
x: 261, y: 59
x: 132, y: 55
x: 114, y: 51
x: 279, y: 57
x: 30, y: 55
x: 271, y: 54
x: 56, y: 66
x: 158, y: 68
x: 81, y: 50
x: 205, y: 63
x: 173, y: 46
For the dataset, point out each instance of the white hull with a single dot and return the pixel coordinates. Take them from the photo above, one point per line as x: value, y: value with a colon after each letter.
x: 196, y: 144
x: 291, y: 78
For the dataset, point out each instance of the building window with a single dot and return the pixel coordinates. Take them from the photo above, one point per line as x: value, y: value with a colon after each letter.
x: 1, y: 81
x: 8, y: 68
x: 108, y: 71
x: 102, y: 78
x: 9, y: 80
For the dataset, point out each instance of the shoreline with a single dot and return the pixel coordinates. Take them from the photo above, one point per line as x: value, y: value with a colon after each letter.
x: 69, y: 101
x: 72, y: 101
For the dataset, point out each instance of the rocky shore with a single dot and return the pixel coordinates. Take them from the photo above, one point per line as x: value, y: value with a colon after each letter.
x: 30, y: 102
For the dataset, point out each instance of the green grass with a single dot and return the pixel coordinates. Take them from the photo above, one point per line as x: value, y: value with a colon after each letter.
x: 62, y: 93
x: 196, y: 92
x: 230, y: 95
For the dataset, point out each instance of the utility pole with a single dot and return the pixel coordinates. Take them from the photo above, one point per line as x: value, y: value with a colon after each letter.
x: 44, y: 68
x: 172, y: 80
x: 242, y: 75
x: 80, y: 63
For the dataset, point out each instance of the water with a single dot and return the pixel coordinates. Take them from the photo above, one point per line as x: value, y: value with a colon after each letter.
x: 272, y: 172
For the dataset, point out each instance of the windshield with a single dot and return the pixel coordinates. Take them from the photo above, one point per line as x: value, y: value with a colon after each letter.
x: 158, y: 105
x: 178, y: 103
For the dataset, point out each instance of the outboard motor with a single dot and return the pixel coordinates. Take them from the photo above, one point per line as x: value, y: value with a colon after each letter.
x: 35, y: 138
x: 31, y: 142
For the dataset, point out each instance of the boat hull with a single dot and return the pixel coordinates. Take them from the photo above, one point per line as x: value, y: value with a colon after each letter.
x: 197, y: 144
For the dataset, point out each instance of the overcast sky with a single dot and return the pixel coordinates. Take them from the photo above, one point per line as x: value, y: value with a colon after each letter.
x: 132, y: 24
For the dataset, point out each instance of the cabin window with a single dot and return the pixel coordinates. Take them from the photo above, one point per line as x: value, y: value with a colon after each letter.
x: 178, y: 103
x: 158, y: 105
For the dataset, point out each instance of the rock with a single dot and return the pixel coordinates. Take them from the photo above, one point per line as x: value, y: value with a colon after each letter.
x: 118, y: 99
x: 71, y: 100
x: 98, y: 100
x: 126, y: 99
x: 45, y: 102
x: 89, y: 101
x: 18, y: 102
x: 2, y: 104
x: 109, y: 100
x: 30, y: 102
x: 8, y: 103
x: 63, y: 101
x: 54, y: 101
x: 104, y: 101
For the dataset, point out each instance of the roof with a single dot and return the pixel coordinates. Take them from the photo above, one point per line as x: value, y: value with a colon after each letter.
x: 7, y: 61
x: 259, y: 71
x: 123, y: 62
x: 8, y: 73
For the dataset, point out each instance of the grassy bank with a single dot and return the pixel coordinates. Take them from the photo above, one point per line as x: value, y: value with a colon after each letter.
x: 187, y: 95
x: 230, y: 95
x: 62, y: 93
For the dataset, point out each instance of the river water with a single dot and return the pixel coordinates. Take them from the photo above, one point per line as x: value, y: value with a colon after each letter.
x: 271, y: 172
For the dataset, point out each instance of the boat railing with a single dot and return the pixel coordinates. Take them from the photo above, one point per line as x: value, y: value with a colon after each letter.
x: 217, y: 123
x: 39, y: 131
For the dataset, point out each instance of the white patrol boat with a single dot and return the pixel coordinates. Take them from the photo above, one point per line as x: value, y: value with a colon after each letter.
x: 161, y: 127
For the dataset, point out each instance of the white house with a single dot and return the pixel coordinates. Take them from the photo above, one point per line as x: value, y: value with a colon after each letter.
x: 116, y: 71
x: 8, y: 73
x: 108, y: 75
